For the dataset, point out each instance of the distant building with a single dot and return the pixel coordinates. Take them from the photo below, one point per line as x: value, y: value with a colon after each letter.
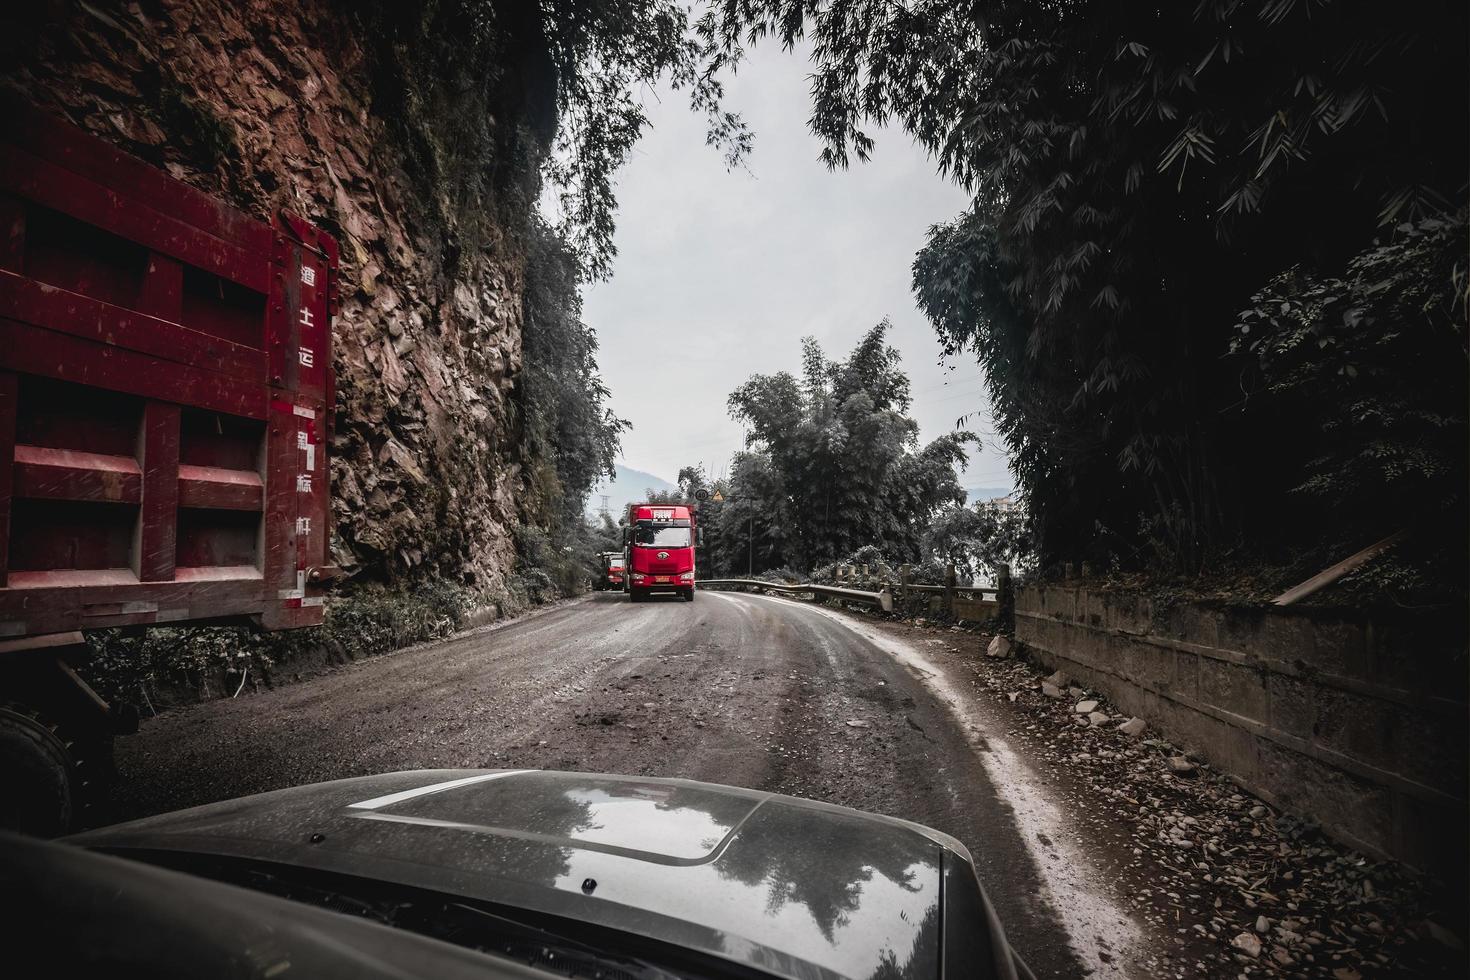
x: 1002, y: 504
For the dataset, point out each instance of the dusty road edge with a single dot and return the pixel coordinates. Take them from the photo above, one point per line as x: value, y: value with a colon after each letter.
x: 1088, y: 912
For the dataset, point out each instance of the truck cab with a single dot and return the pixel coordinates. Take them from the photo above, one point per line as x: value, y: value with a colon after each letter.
x: 660, y: 541
x: 610, y: 573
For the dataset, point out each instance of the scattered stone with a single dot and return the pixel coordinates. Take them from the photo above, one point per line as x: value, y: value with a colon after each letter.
x: 858, y: 723
x: 1083, y: 707
x: 1264, y: 888
x: 1000, y: 646
x: 1248, y: 944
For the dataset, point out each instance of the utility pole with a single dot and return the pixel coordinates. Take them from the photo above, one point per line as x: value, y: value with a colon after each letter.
x: 750, y: 555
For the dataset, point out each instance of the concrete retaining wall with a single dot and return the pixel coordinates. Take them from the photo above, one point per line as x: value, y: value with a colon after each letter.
x: 1359, y: 723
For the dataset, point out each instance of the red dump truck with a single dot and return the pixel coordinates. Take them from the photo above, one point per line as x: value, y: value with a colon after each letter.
x: 610, y: 571
x: 165, y: 410
x: 660, y: 541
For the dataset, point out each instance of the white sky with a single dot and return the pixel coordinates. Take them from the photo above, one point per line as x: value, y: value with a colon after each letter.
x: 723, y: 273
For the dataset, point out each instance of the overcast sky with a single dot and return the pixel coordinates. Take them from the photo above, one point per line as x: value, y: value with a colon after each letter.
x: 724, y: 273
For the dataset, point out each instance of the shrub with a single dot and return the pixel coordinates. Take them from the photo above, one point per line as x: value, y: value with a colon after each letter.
x: 216, y: 660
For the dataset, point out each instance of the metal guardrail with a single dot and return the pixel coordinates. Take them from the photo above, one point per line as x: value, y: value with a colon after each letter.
x: 883, y: 600
x: 969, y: 589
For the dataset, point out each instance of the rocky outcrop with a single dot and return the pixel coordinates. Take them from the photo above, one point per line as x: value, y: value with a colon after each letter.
x: 381, y: 126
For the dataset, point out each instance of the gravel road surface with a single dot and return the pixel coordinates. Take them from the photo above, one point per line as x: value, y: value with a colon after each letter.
x: 747, y: 690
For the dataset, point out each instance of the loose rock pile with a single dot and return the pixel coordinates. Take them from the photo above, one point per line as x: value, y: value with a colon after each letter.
x: 1241, y: 889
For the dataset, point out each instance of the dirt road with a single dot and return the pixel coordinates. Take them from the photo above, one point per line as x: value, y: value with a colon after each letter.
x: 752, y: 691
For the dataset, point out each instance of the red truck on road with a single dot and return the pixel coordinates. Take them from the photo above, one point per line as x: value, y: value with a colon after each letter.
x: 166, y: 400
x: 610, y: 571
x: 660, y: 541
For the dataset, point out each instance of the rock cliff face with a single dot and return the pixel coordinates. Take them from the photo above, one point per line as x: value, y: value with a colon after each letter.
x: 376, y: 124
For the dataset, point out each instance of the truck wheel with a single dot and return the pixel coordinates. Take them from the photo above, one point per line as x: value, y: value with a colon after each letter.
x: 36, y: 770
x: 689, y: 594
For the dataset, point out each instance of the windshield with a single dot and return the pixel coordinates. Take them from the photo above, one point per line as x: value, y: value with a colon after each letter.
x: 661, y: 536
x: 615, y: 563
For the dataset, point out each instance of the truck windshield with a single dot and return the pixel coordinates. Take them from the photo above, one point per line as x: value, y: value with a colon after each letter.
x: 615, y: 563
x: 664, y: 536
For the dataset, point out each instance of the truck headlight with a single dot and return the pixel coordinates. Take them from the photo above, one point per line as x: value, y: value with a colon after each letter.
x: 686, y: 577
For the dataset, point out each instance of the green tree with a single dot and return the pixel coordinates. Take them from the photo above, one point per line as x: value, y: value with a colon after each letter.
x: 1369, y: 369
x: 1138, y: 172
x: 691, y: 481
x: 605, y: 53
x: 978, y: 538
x: 571, y: 437
x: 834, y: 462
x: 745, y: 531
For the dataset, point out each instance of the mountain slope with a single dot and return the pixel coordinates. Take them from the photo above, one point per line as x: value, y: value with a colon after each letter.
x: 629, y: 486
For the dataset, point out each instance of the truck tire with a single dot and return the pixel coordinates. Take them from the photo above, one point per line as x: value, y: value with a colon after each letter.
x: 689, y: 594
x: 36, y: 770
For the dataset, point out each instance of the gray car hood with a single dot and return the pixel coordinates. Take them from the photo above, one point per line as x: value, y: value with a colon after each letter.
x: 789, y: 886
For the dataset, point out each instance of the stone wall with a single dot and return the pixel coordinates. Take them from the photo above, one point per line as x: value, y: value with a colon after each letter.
x: 275, y: 104
x: 1358, y: 721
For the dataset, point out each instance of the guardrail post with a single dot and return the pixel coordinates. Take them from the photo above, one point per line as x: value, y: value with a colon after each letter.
x: 950, y: 580
x: 1005, y: 598
x: 905, y: 575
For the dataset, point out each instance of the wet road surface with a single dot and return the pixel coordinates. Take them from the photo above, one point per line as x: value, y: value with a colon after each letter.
x: 752, y: 691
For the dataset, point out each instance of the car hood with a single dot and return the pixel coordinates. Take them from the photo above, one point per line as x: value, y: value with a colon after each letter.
x: 789, y: 886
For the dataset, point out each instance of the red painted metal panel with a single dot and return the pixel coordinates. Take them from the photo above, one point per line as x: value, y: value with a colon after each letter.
x: 53, y: 187
x: 162, y: 292
x: 27, y: 301
x: 220, y: 489
x: 50, y: 353
x: 157, y: 536
x: 42, y: 602
x: 60, y: 143
x: 165, y: 361
x: 12, y: 232
x: 68, y: 474
x: 9, y: 393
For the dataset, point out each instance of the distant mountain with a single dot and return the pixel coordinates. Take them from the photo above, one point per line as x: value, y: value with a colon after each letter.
x: 976, y: 494
x: 630, y: 486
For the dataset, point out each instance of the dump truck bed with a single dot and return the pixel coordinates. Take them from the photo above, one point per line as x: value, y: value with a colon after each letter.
x: 165, y: 395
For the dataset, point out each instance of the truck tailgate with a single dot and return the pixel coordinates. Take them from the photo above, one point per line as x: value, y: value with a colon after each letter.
x: 165, y: 395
